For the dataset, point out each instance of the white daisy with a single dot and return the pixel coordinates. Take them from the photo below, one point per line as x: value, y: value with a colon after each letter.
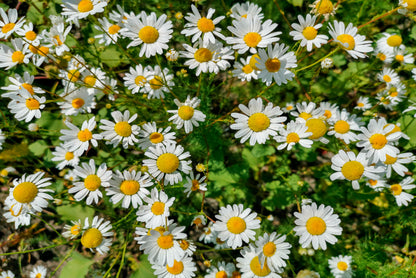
x: 208, y: 235
x: 137, y: 78
x: 25, y: 106
x: 408, y: 6
x: 38, y: 272
x: 187, y: 116
x: 236, y: 225
x: 6, y: 274
x: 377, y: 185
x: 363, y: 104
x: 79, y: 9
x: 10, y: 23
x: 184, y: 268
x: 244, y: 71
x: 351, y: 167
x: 222, y: 270
x: 128, y: 187
x: 93, y: 179
x: 57, y: 35
x: 28, y: 34
x: 155, y: 213
x: 273, y: 250
x: 76, y: 100
x: 318, y: 127
x: 403, y: 198
x: 329, y: 109
x: 143, y: 233
x: 389, y: 76
x: 294, y: 133
x: 275, y: 64
x: 172, y: 55
x: 92, y: 79
x: 10, y: 57
x: 307, y: 32
x: 97, y: 236
x: 120, y: 131
x: 389, y: 43
x: 72, y: 231
x: 343, y: 124
x: 327, y: 63
x: 150, y: 135
x: 257, y: 122
x: 195, y: 184
x: 289, y: 107
x: 396, y: 163
x: 19, y: 82
x: 317, y: 226
x: 187, y: 246
x: 151, y: 32
x: 323, y: 7
x: 250, y: 265
x: 18, y: 218
x: 402, y: 56
x: 199, y: 220
x: 306, y: 110
x: 341, y: 266
x: 65, y: 157
x: 396, y: 93
x: 159, y: 81
x: 349, y: 40
x: 200, y: 26
x: 111, y: 32
x: 385, y: 57
x: 242, y: 10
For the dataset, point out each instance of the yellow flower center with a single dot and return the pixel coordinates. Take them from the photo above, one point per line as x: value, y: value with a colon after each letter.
x: 43, y: 51
x: 114, y: 29
x: 342, y: 266
x: 258, y: 122
x: 256, y: 268
x: 84, y: 135
x: 148, y: 34
x: 272, y: 65
x: 236, y: 274
x: 123, y: 129
x: 73, y: 75
x: 33, y: 49
x: 269, y: 249
x: 186, y: 112
x: 247, y: 69
x: 253, y: 62
x: 69, y: 156
x: 381, y: 56
x: 176, y: 269
x: 221, y: 274
x: 289, y: 107
x: 197, y: 221
x: 78, y: 103
x: 18, y: 57
x: 156, y: 83
x: 324, y: 7
x: 30, y: 35
x: 129, y: 187
x: 387, y: 78
x: 156, y: 137
x: 328, y: 114
x: 205, y: 25
x: 360, y: 104
x: 140, y: 80
x: 165, y: 242
x: 347, y: 39
x: 58, y: 40
x: 394, y: 40
x: 85, y: 6
x: 252, y: 39
x: 390, y: 160
x: 394, y: 94
x: 341, y: 127
x: 203, y: 55
x: 399, y: 58
x: 352, y: 170
x: 411, y: 4
x: 158, y: 208
x: 92, y: 182
x: 378, y: 141
x: 39, y: 275
x: 167, y: 163
x: 75, y: 229
x: 309, y: 33
x: 396, y: 188
x: 317, y: 127
x: 184, y: 244
x: 32, y: 104
x: 92, y: 238
x: 305, y: 115
x: 90, y: 80
x: 7, y: 27
x: 315, y: 226
x: 236, y: 225
x: 25, y: 192
x: 373, y: 182
x: 292, y: 137
x: 195, y: 185
x: 29, y: 88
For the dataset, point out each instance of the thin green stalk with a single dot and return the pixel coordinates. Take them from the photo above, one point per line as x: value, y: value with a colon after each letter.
x: 63, y: 260
x: 33, y: 250
x: 111, y: 266
x: 122, y: 259
x: 320, y: 60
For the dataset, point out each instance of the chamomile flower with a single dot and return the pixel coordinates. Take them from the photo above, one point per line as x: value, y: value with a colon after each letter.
x: 159, y: 81
x: 150, y: 135
x: 136, y: 79
x: 9, y: 23
x: 244, y: 71
x: 327, y: 63
x: 28, y: 34
x: 187, y: 246
x: 74, y: 230
x: 143, y: 233
x: 275, y: 64
x: 195, y: 183
x: 26, y: 106
x: 363, y: 104
x: 184, y: 268
x: 236, y: 225
x: 97, y: 236
x: 128, y: 187
x: 289, y: 107
x: 79, y: 9
x: 149, y: 31
x: 187, y: 116
x: 389, y: 76
x: 307, y: 32
x: 76, y: 100
x: 120, y: 131
x: 172, y: 55
x: 111, y: 32
x: 78, y: 140
x: 403, y: 198
x: 400, y: 55
x: 273, y: 250
x: 202, y: 26
x: 10, y: 57
x: 6, y: 274
x: 18, y: 218
x: 92, y: 79
x: 199, y: 220
x: 389, y: 43
x: 385, y: 57
x: 250, y: 265
x: 396, y: 163
x: 377, y: 185
x: 243, y: 10
x: 349, y: 40
x: 221, y: 270
x: 329, y: 109
x: 323, y: 7
x: 306, y: 110
x: 318, y: 127
x: 257, y: 123
x: 341, y: 266
x: 28, y: 194
x: 65, y: 157
x: 294, y: 133
x: 38, y: 272
x: 155, y: 213
x: 56, y: 37
x: 407, y: 6
x: 317, y: 226
x: 351, y: 167
x: 208, y: 235
x: 250, y: 33
x: 342, y: 126
x: 93, y: 179
x: 19, y: 82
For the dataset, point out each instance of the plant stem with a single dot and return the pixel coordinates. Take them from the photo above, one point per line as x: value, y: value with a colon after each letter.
x: 33, y: 250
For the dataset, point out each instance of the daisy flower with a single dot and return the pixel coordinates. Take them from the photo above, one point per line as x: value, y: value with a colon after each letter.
x: 111, y: 31
x: 351, y: 167
x: 318, y: 127
x: 97, y: 236
x: 143, y: 233
x: 195, y: 184
x: 288, y: 107
x: 222, y: 269
x: 403, y: 198
x: 92, y: 79
x: 377, y: 185
x: 389, y: 76
x: 79, y: 9
x: 200, y: 26
x: 250, y: 33
x: 329, y: 109
x: 149, y: 31
x: 341, y: 266
x: 155, y: 213
x: 250, y: 265
x: 78, y: 140
x: 120, y: 131
x: 19, y: 82
x: 208, y: 235
x: 243, y: 10
x: 72, y: 231
x: 19, y: 219
x: 408, y: 6
x: 187, y: 246
x: 128, y: 187
x: 342, y: 126
x: 136, y: 79
x: 151, y: 136
x: 327, y: 63
x: 244, y: 71
x: 401, y: 56
x: 323, y: 7
x: 187, y: 116
x: 38, y: 272
x: 184, y: 268
x: 159, y: 82
x: 349, y: 40
x: 389, y: 43
x: 206, y: 56
x: 294, y: 133
x: 65, y: 157
x: 396, y: 163
x: 273, y: 250
x: 307, y: 32
x: 93, y: 180
x: 317, y: 226
x: 57, y: 35
x: 6, y: 274
x: 236, y: 225
x: 363, y: 104
x: 29, y: 36
x: 199, y: 220
x: 385, y: 57
x: 10, y: 57
x: 257, y: 122
x: 76, y: 100
x: 9, y: 23
x: 377, y: 140
x: 275, y: 64
x: 396, y: 93
x: 28, y: 194
x: 26, y: 106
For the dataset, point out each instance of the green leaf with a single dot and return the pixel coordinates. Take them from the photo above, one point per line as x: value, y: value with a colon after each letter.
x: 262, y: 150
x: 75, y: 212
x: 296, y: 3
x: 76, y: 267
x: 250, y: 159
x: 413, y: 33
x: 38, y: 148
x: 111, y: 57
x: 144, y: 269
